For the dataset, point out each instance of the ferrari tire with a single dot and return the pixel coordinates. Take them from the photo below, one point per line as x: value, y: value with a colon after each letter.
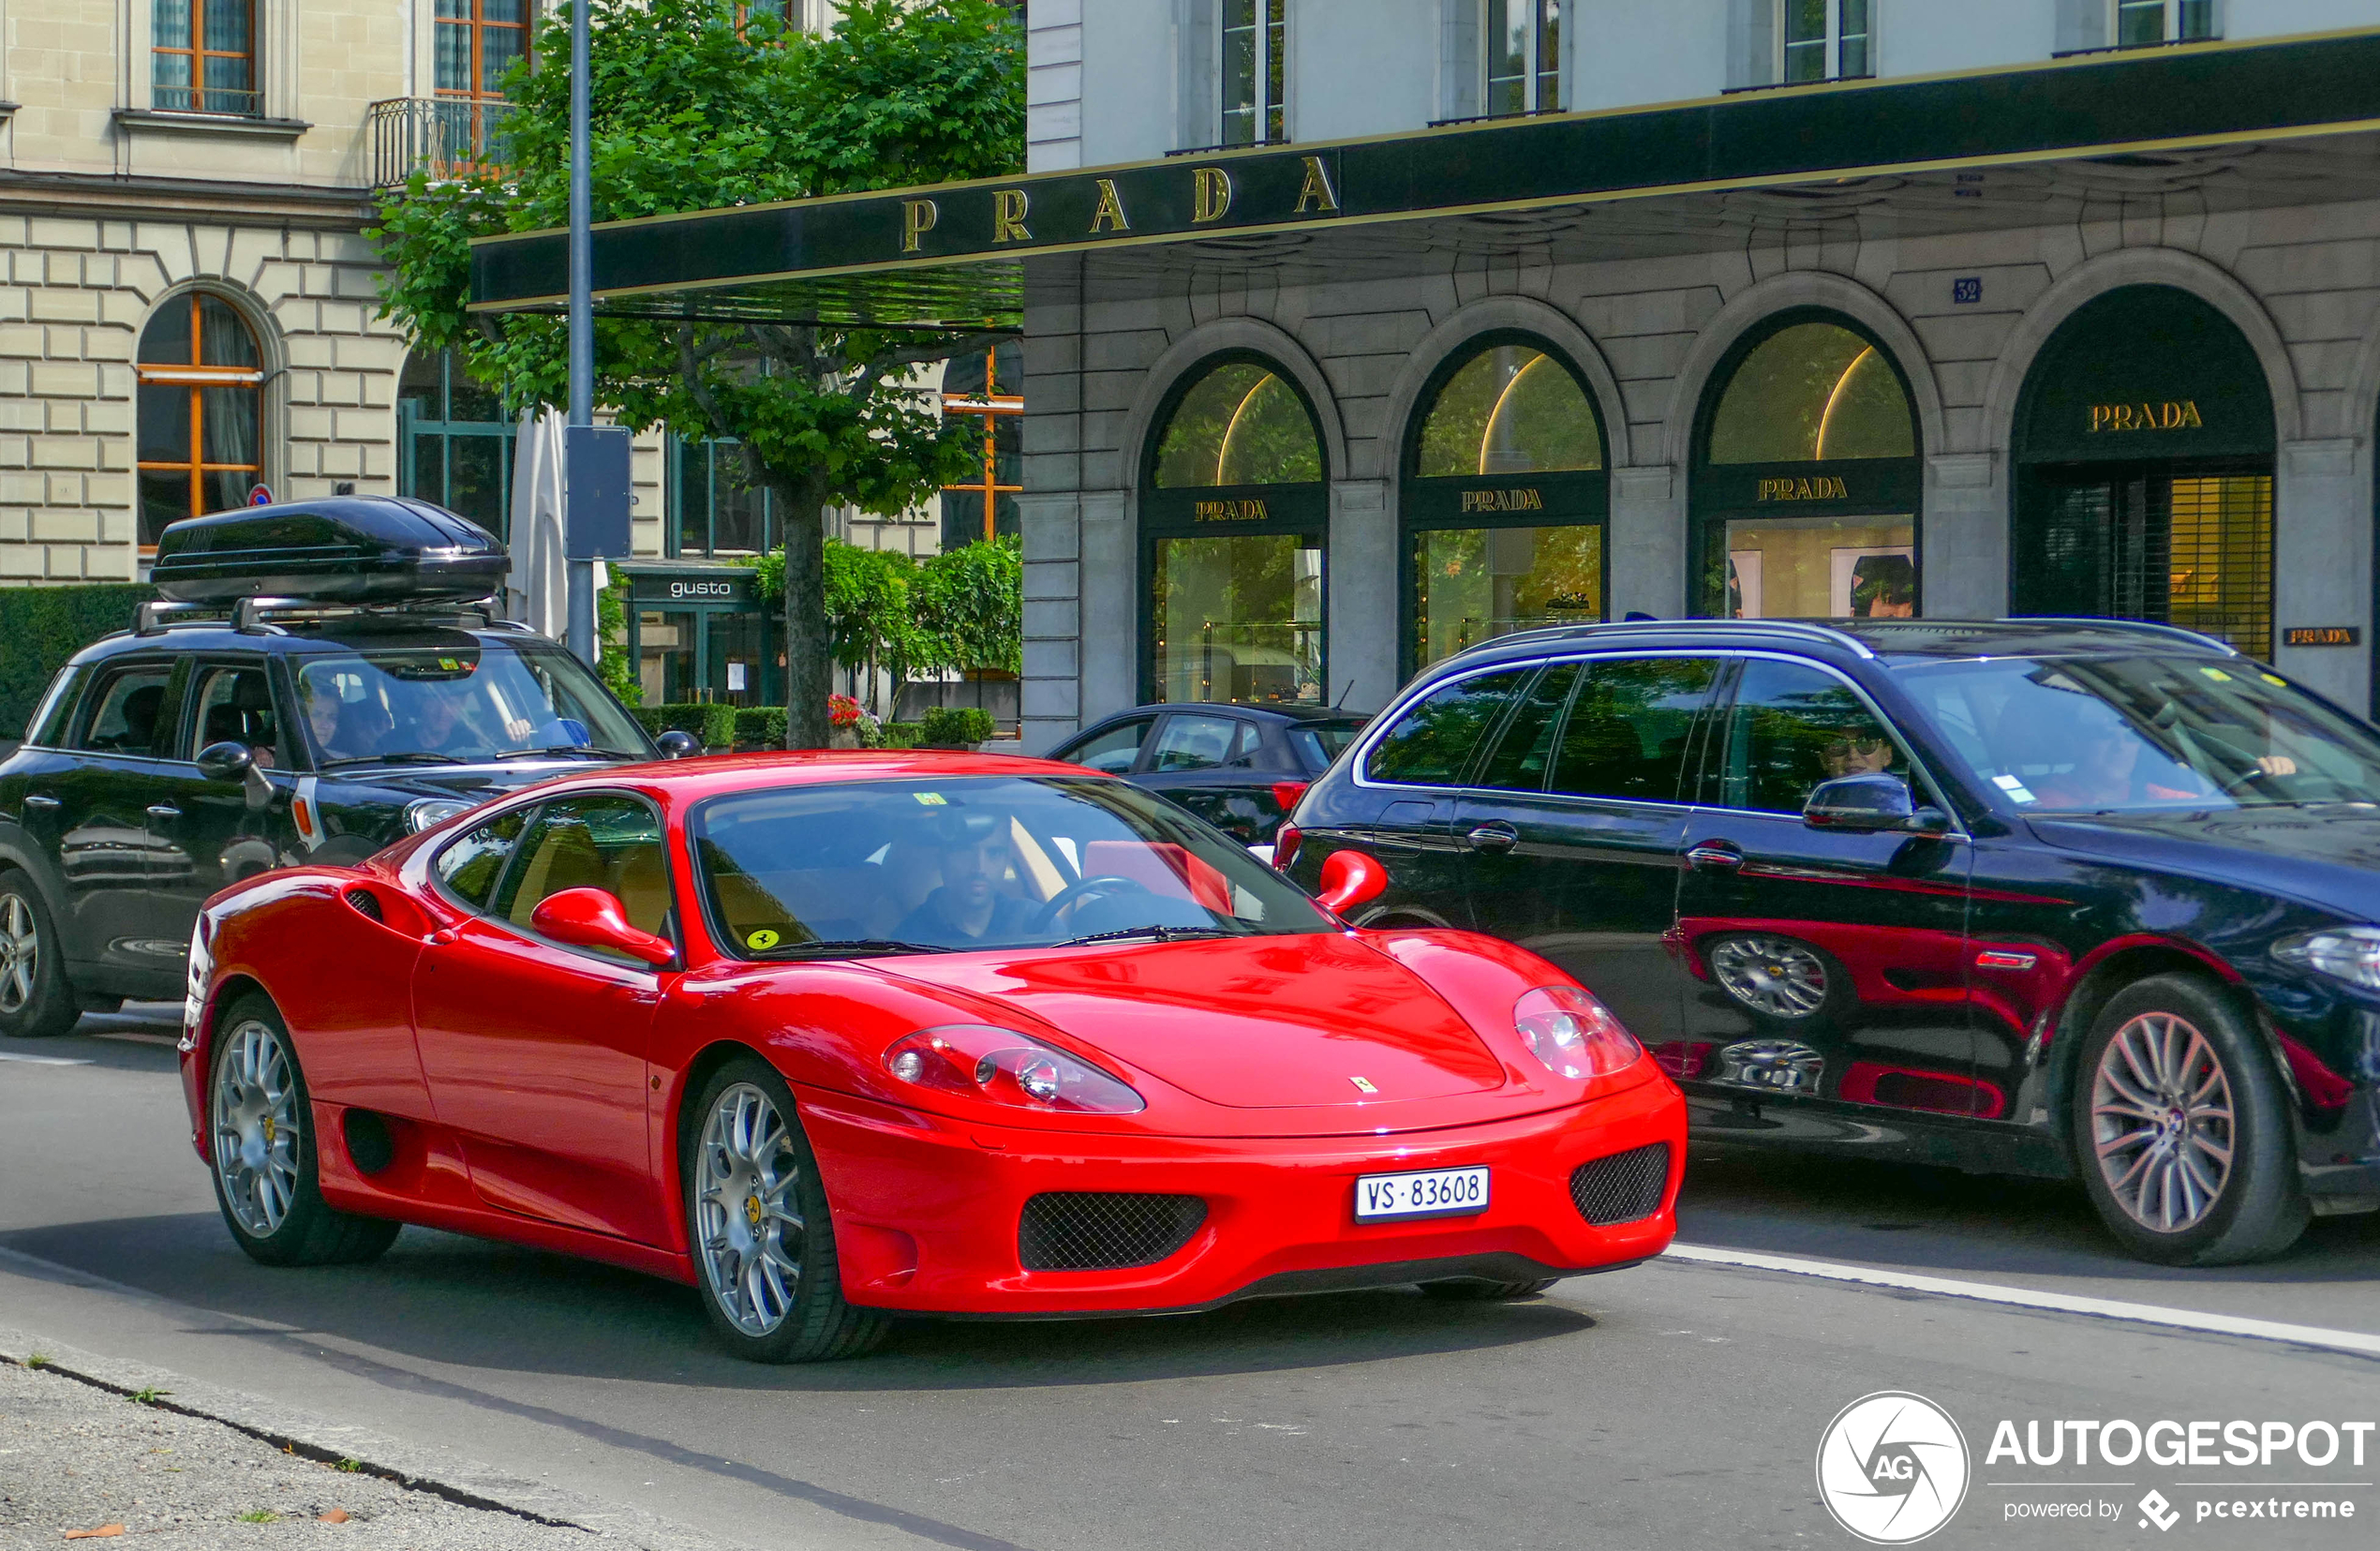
x: 1469, y: 1290
x: 759, y: 1227
x: 2181, y: 1128
x: 261, y: 1142
x: 36, y: 1001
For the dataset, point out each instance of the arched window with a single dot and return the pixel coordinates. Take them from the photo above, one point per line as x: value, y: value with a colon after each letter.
x: 2144, y: 452
x: 989, y: 389
x: 1233, y: 515
x: 200, y: 374
x: 1807, y: 479
x: 454, y: 445
x: 1505, y: 504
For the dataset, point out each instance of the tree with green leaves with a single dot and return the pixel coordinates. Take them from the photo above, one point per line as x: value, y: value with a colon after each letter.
x: 692, y: 112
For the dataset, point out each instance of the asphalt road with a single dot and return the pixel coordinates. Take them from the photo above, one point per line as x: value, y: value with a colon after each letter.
x: 1678, y: 1404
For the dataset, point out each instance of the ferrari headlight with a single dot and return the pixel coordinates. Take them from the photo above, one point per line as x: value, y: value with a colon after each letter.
x: 1007, y: 1068
x: 433, y: 810
x: 1573, y: 1034
x: 2349, y: 953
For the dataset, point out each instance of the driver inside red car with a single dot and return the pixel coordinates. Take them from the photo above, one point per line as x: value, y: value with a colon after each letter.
x: 970, y: 906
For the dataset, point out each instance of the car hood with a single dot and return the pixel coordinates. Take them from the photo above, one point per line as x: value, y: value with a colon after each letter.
x: 468, y: 783
x: 1249, y: 1022
x: 2327, y: 855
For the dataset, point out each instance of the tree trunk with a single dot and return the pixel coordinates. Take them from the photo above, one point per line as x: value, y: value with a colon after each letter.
x: 809, y: 671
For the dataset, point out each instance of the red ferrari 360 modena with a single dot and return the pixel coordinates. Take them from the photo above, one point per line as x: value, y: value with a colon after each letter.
x: 838, y: 1036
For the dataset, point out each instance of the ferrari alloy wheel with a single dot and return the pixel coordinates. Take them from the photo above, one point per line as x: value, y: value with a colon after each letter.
x: 749, y: 1221
x: 257, y: 1128
x: 758, y: 1223
x: 2181, y: 1127
x: 1776, y: 976
x: 35, y: 998
x: 260, y: 1137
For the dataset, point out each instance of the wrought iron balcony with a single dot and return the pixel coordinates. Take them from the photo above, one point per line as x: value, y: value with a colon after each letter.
x: 444, y: 136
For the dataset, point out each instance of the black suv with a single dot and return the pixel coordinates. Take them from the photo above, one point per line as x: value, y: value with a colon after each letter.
x: 1239, y: 768
x: 181, y: 757
x: 2045, y: 897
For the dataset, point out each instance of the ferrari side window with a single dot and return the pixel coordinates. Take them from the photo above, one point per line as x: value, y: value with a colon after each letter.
x: 601, y: 841
x: 470, y: 866
x: 1431, y: 743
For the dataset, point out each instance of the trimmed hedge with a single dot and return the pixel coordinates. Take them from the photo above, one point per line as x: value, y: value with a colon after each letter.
x: 904, y: 735
x: 40, y: 627
x: 712, y: 722
x: 760, y: 728
x: 955, y: 726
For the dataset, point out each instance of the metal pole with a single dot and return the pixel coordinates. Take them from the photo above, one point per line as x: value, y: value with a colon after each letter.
x: 582, y: 323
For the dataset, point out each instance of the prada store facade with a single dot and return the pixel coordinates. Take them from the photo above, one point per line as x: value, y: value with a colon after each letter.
x: 2102, y: 338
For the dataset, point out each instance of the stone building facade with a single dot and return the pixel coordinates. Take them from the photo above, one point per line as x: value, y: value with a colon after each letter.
x: 1996, y: 320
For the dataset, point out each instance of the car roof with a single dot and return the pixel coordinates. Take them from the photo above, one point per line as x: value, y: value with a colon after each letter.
x: 714, y: 775
x: 1284, y: 715
x: 1892, y: 640
x: 302, y: 636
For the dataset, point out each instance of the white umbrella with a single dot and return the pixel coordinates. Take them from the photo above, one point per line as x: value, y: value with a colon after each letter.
x: 537, y: 590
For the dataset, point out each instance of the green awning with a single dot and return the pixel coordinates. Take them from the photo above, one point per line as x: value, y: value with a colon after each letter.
x: 2205, y: 126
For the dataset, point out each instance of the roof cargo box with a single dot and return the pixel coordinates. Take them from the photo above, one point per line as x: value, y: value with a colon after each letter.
x: 343, y: 549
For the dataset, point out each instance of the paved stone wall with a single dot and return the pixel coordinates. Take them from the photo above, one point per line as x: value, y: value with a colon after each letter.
x: 2303, y: 286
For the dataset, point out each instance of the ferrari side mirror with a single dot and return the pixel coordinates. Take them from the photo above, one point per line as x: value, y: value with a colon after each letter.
x: 1350, y: 878
x: 593, y: 917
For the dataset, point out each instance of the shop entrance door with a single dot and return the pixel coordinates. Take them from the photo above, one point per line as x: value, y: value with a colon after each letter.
x: 2173, y: 545
x: 666, y: 660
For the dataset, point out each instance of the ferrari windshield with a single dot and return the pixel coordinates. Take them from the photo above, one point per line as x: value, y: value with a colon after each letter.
x: 458, y: 700
x: 922, y: 865
x: 2116, y: 735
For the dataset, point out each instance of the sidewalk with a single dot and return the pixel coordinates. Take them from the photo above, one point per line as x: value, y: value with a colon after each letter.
x: 77, y: 1457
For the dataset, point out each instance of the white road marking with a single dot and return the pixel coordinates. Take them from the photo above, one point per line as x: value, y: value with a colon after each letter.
x: 2058, y: 1303
x: 43, y: 1060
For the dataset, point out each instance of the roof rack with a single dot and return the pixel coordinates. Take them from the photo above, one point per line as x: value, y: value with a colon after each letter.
x: 2138, y: 627
x: 248, y: 615
x: 1804, y: 630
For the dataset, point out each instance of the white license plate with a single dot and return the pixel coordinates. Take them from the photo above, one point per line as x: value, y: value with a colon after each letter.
x: 1431, y: 1193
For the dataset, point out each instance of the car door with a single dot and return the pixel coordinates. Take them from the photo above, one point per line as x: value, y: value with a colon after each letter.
x: 207, y: 834
x: 1206, y: 761
x: 87, y: 813
x: 1822, y: 964
x: 1573, y: 826
x: 535, y: 1052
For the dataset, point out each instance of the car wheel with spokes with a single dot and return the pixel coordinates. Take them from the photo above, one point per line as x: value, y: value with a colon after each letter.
x: 34, y: 999
x: 260, y: 1137
x: 2182, y: 1128
x: 758, y: 1224
x: 1779, y: 978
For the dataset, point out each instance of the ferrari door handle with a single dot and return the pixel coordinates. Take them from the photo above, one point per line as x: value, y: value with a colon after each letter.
x: 164, y: 810
x: 1716, y: 856
x: 36, y: 802
x: 1494, y: 835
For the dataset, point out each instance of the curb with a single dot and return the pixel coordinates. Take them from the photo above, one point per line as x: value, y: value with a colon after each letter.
x: 467, y: 1482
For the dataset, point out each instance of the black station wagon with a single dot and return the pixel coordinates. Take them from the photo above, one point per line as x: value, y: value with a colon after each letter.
x: 2043, y: 897
x: 1239, y: 768
x: 223, y: 737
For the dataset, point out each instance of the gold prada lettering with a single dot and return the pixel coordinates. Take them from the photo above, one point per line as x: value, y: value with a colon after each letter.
x: 1503, y: 501
x: 2171, y: 415
x: 1250, y: 510
x: 1823, y: 488
x: 1210, y: 193
x: 917, y: 218
x: 1008, y: 208
x: 1317, y: 190
x: 1110, y: 217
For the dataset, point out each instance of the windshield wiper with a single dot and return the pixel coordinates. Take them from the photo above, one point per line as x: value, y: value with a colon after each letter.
x: 1155, y: 933
x: 837, y: 947
x: 580, y: 749
x: 418, y: 756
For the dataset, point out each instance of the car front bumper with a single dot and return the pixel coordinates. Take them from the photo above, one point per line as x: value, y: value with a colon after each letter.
x: 928, y: 1211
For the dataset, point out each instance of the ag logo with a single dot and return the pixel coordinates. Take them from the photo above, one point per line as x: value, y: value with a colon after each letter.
x: 1891, y: 1467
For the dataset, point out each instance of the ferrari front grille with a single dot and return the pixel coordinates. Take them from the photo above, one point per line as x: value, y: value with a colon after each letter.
x: 1103, y: 1230
x: 1624, y: 1187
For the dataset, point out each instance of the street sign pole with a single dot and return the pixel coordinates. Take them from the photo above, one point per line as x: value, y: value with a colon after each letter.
x: 581, y: 627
